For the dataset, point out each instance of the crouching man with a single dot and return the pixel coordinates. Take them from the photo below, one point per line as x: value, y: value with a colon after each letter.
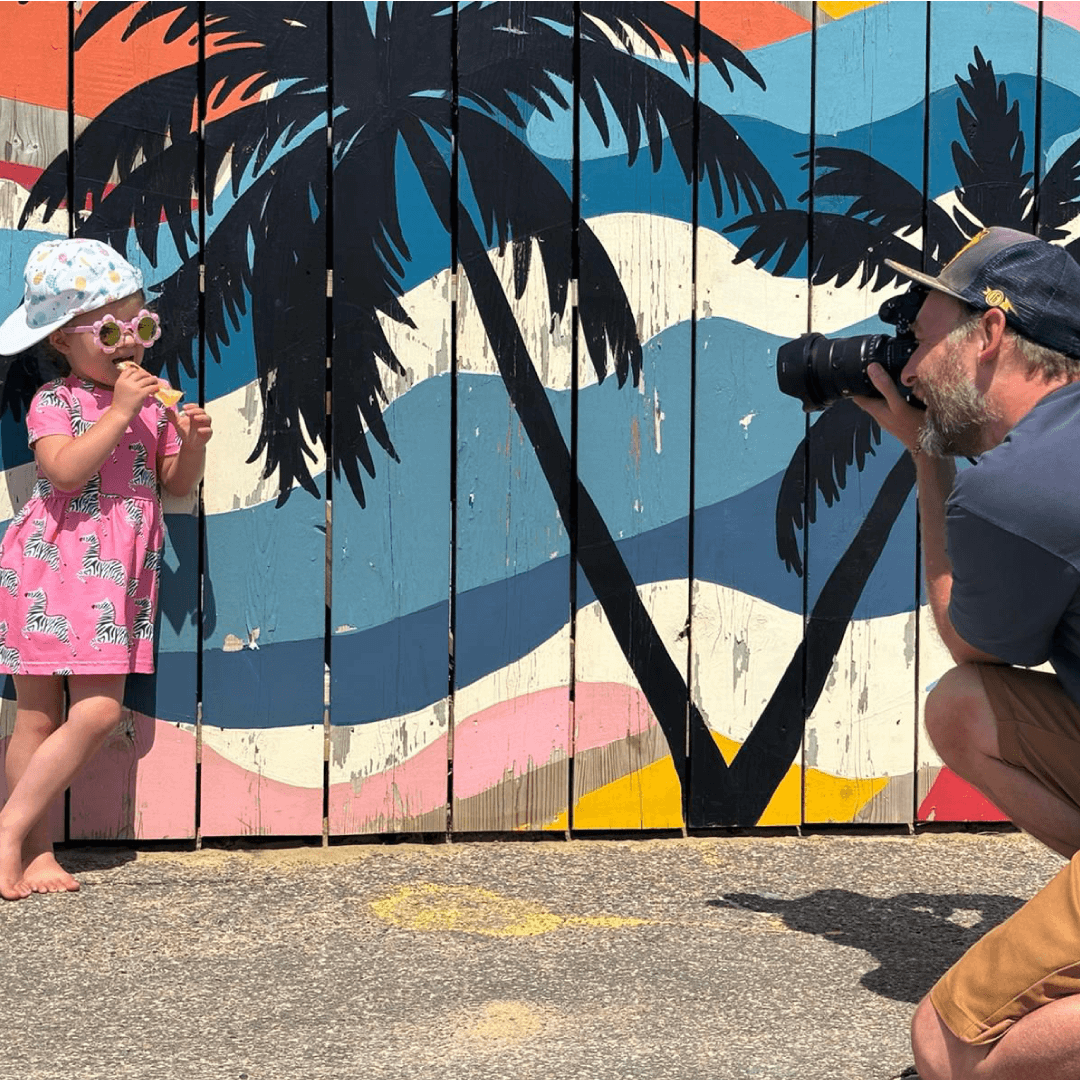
x: 998, y: 368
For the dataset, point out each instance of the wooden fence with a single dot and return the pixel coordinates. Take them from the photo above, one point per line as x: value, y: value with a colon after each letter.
x: 506, y: 525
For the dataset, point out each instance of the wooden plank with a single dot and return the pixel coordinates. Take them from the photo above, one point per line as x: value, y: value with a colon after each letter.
x: 263, y: 637
x: 859, y: 746
x: 143, y: 783
x: 633, y: 462
x: 33, y: 129
x: 512, y: 645
x: 390, y: 616
x: 746, y: 624
x: 999, y: 48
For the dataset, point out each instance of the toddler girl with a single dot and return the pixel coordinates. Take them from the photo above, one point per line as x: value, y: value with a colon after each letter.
x: 79, y: 564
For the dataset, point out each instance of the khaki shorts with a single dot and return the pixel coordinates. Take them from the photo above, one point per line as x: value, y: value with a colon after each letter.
x: 1033, y: 957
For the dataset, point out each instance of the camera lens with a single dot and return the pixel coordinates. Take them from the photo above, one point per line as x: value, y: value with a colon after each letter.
x: 820, y: 371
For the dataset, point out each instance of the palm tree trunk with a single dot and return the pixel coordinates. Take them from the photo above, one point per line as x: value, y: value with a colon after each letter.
x: 773, y: 744
x: 663, y: 685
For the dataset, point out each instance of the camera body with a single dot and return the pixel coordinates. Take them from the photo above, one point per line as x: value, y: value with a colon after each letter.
x: 820, y: 371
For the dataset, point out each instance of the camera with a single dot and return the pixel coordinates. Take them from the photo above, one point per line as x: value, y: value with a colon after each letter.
x: 819, y: 371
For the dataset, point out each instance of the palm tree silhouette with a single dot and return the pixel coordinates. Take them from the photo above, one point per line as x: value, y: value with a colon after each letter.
x: 400, y: 102
x: 884, y: 210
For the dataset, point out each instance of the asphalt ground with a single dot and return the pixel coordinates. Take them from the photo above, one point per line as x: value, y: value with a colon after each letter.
x: 704, y: 958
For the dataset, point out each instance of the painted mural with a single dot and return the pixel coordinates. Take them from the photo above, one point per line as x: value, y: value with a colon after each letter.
x: 506, y: 525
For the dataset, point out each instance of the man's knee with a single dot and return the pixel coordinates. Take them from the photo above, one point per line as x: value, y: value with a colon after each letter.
x: 958, y: 716
x: 939, y: 1054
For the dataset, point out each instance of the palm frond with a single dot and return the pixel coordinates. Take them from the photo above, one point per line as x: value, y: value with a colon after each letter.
x: 841, y: 437
x: 844, y: 247
x: 542, y: 211
x: 655, y: 22
x: 498, y: 50
x: 644, y: 100
x: 288, y: 323
x: 1059, y: 194
x: 230, y: 24
x: 993, y: 187
x: 882, y: 197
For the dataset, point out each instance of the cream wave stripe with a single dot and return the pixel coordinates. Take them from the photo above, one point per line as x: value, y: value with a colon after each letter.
x: 742, y: 646
x: 738, y: 293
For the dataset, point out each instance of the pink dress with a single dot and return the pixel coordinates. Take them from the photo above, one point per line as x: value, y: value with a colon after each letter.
x: 79, y: 569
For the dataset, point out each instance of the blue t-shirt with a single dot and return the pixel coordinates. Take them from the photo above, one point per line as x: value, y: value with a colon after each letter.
x: 1013, y: 535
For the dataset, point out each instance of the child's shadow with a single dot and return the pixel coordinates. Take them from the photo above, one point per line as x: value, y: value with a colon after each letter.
x: 914, y: 937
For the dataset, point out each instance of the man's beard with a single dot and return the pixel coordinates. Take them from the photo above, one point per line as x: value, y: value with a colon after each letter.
x: 957, y: 415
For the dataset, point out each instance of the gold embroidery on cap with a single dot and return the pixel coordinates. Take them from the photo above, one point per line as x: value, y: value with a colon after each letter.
x: 996, y: 298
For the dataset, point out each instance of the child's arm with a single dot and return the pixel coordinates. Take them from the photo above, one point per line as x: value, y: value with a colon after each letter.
x: 68, y: 461
x: 180, y: 472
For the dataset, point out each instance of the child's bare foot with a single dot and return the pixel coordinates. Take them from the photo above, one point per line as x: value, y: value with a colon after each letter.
x: 43, y: 874
x: 12, y: 886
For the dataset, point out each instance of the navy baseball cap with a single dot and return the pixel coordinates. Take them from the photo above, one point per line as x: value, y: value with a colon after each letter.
x: 1036, y: 285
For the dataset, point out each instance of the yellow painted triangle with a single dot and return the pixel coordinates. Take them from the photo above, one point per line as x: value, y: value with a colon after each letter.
x: 837, y: 9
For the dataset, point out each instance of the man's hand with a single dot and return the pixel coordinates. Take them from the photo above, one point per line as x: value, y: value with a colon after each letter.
x: 890, y: 410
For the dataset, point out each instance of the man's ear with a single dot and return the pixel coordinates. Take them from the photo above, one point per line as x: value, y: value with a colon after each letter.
x: 992, y: 326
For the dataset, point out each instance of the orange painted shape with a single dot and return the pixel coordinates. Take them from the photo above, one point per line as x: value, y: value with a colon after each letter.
x: 749, y: 25
x: 108, y: 65
x: 35, y: 71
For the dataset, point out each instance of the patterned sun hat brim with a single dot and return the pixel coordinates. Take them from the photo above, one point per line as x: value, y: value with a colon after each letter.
x: 65, y: 278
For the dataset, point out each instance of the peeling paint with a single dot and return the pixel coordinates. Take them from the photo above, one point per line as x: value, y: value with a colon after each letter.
x: 232, y: 643
x: 740, y: 655
x: 340, y: 738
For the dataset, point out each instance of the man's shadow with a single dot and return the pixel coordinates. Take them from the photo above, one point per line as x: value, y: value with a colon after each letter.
x: 914, y: 937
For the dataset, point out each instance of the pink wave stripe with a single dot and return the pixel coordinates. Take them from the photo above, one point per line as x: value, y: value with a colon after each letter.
x: 1063, y: 11
x: 510, y: 738
x: 606, y: 712
x: 375, y: 803
x: 142, y: 789
x: 238, y: 802
x: 513, y: 736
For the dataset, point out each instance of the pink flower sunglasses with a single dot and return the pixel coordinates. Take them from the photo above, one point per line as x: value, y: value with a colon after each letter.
x: 145, y: 328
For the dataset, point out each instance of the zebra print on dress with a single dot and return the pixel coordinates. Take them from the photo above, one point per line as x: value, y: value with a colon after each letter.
x: 143, y: 626
x: 38, y: 621
x: 9, y: 656
x: 9, y: 579
x: 93, y: 565
x: 38, y: 548
x: 108, y: 631
x: 141, y: 476
x: 88, y: 501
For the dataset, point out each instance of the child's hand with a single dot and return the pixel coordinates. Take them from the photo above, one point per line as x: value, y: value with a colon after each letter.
x: 194, y: 426
x: 132, y: 388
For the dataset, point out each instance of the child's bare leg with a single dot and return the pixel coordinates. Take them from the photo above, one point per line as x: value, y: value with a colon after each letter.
x: 94, y: 710
x: 40, y: 710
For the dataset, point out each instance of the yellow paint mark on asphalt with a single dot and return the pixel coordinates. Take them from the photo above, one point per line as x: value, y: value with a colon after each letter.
x: 470, y: 910
x: 506, y: 1023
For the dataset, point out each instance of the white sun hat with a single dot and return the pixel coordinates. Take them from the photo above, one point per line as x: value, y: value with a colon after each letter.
x: 65, y: 278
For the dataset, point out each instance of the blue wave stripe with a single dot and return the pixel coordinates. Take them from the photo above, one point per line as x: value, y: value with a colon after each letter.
x: 401, y: 666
